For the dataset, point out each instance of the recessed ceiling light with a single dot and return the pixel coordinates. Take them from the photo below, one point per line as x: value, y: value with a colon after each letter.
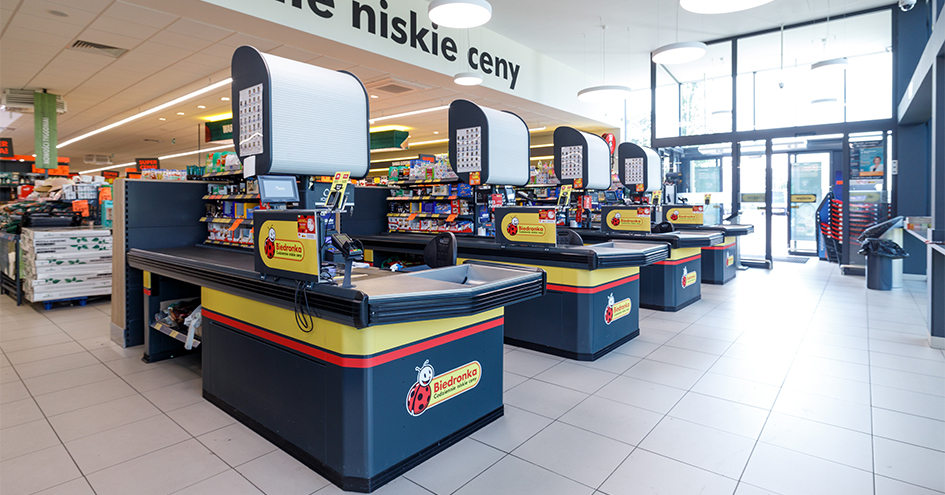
x: 225, y: 98
x: 161, y: 118
x: 373, y: 96
x: 467, y: 79
x: 436, y: 132
x: 460, y: 14
x: 58, y: 13
x: 201, y: 107
x: 720, y: 6
x: 180, y: 113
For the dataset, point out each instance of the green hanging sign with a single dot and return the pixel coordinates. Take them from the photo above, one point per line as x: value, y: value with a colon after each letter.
x: 220, y: 130
x: 45, y: 130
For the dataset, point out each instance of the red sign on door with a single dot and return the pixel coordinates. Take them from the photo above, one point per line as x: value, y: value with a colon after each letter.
x: 611, y: 141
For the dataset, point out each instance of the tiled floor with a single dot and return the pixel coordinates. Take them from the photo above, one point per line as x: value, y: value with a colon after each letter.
x: 793, y: 381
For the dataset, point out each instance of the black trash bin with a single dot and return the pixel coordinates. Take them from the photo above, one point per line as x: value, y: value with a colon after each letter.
x: 879, y: 257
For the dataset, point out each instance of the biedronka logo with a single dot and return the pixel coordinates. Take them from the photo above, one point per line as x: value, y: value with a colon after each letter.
x: 289, y: 250
x: 688, y: 278
x: 515, y: 227
x: 616, y: 310
x: 430, y: 390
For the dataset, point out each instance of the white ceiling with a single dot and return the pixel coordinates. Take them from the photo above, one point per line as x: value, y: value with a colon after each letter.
x: 170, y: 56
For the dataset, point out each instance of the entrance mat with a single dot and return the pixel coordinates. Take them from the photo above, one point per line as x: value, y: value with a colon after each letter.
x: 791, y: 259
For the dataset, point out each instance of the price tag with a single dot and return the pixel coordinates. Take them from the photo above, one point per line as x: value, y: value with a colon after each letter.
x: 235, y: 224
x: 451, y: 217
x: 104, y: 194
x: 81, y: 206
x: 411, y: 217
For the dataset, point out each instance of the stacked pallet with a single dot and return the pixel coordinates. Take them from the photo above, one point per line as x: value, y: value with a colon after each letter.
x: 66, y: 263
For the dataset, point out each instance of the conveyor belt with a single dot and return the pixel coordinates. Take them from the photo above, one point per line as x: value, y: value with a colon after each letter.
x: 485, y: 248
x: 378, y: 296
x: 676, y: 240
x: 726, y: 229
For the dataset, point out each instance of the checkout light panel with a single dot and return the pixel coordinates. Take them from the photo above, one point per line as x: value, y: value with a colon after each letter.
x: 492, y: 143
x: 297, y: 119
x: 586, y: 160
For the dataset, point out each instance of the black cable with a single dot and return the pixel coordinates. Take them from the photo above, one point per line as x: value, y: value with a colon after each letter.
x: 303, y: 316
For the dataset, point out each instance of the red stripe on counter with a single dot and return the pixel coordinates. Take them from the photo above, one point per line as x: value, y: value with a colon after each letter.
x: 347, y: 361
x: 719, y: 247
x: 591, y: 290
x: 679, y: 262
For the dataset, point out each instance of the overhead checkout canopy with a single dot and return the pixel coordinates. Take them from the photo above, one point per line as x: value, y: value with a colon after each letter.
x: 582, y: 160
x: 297, y: 119
x: 488, y: 146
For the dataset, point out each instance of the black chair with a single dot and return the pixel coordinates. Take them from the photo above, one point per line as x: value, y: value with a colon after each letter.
x: 441, y: 251
x: 568, y: 237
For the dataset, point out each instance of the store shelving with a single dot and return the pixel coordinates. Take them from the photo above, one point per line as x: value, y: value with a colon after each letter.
x: 243, y: 222
x: 228, y: 244
x: 174, y: 334
x: 428, y: 215
x: 427, y: 198
x: 224, y: 174
x: 422, y: 182
x: 230, y: 196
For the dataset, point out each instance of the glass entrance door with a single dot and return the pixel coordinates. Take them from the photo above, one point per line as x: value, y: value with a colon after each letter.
x: 752, y: 179
x: 808, y: 182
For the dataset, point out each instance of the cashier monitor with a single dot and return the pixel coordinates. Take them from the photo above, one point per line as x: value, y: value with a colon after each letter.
x: 278, y: 189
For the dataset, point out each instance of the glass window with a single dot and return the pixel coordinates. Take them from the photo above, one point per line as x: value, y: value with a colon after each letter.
x: 778, y: 88
x: 637, y: 125
x: 696, y: 98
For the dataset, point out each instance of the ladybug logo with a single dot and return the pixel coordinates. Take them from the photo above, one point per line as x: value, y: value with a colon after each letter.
x: 512, y: 229
x: 609, y: 311
x: 270, y: 244
x: 675, y: 215
x: 615, y: 221
x: 418, y: 399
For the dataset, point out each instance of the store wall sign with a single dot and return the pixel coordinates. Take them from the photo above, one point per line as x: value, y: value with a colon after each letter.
x: 221, y: 130
x: 146, y: 163
x: 390, y: 21
x: 6, y: 147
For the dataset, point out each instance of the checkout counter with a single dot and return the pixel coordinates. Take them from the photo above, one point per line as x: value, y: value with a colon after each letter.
x: 720, y: 262
x: 673, y: 283
x: 593, y: 292
x: 360, y: 376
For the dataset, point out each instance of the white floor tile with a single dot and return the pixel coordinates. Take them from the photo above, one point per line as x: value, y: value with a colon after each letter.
x: 706, y: 448
x: 787, y: 472
x: 909, y: 428
x: 514, y: 476
x: 82, y: 396
x: 837, y: 388
x: 101, y: 417
x: 664, y: 373
x: 577, y: 454
x: 228, y: 482
x: 27, y: 438
x: 236, y: 444
x: 612, y: 419
x: 528, y: 364
x: 37, y: 471
x: 75, y: 487
x: 612, y: 362
x: 543, y: 398
x: 929, y: 406
x: 54, y: 365
x: 887, y: 486
x: 824, y: 409
x: 54, y: 382
x: 721, y: 414
x: 101, y: 450
x: 512, y: 429
x: 278, y: 472
x: 637, y: 347
x: 581, y: 378
x: 645, y: 395
x: 909, y: 463
x: 140, y: 477
x: 202, y: 417
x: 17, y: 412
x: 821, y: 440
x: 646, y: 473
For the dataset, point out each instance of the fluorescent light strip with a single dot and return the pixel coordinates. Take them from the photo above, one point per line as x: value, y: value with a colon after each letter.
x: 385, y: 169
x: 216, y: 148
x: 549, y: 145
x: 536, y: 129
x: 435, y: 141
x: 148, y: 112
x: 407, y: 114
x: 536, y: 158
x: 414, y: 157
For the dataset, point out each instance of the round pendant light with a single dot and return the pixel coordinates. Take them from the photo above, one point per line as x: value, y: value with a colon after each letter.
x: 720, y: 6
x: 460, y: 14
x: 468, y: 79
x: 600, y: 94
x: 679, y: 53
x: 833, y: 64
